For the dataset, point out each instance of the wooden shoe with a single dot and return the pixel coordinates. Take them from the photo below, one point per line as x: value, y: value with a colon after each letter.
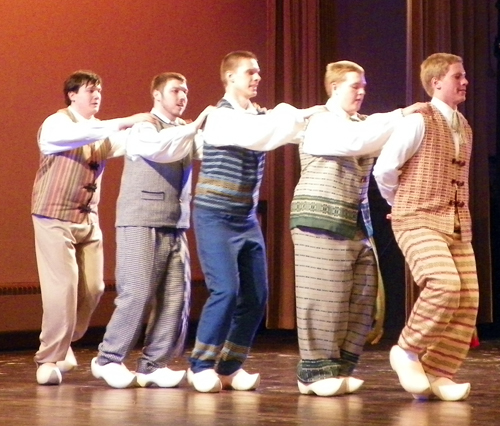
x: 206, y: 381
x: 352, y: 384
x: 69, y: 362
x: 447, y: 390
x: 409, y: 370
x: 240, y: 380
x: 115, y: 375
x: 163, y: 378
x: 326, y: 387
x: 48, y: 374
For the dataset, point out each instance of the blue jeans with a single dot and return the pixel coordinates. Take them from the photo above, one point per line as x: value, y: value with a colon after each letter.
x: 232, y: 255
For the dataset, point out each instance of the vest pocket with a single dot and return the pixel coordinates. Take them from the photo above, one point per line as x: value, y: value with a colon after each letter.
x: 156, y: 196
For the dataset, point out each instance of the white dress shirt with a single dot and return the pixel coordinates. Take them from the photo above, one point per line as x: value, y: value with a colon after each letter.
x: 401, y: 146
x: 244, y: 128
x: 59, y: 133
x: 335, y: 133
x: 165, y: 146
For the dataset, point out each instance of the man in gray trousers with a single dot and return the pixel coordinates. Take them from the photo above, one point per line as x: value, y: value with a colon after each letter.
x: 152, y: 258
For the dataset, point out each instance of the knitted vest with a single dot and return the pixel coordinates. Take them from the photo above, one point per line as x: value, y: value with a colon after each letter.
x: 434, y: 184
x: 230, y: 178
x: 155, y: 194
x: 331, y: 192
x: 68, y: 184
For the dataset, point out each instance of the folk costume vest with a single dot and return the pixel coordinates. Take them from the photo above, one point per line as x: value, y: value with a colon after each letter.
x: 332, y: 194
x: 230, y: 178
x: 155, y: 194
x: 434, y: 184
x: 68, y: 184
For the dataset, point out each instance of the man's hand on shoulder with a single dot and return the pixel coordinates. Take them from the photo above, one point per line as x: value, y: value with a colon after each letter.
x: 308, y: 112
x: 420, y: 107
x: 126, y: 122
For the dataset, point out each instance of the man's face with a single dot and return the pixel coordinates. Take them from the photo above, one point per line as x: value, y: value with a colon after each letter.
x: 172, y: 100
x: 87, y: 100
x: 350, y: 92
x: 244, y: 79
x: 452, y: 87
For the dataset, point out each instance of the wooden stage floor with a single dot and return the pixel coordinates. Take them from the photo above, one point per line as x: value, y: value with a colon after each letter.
x: 82, y: 400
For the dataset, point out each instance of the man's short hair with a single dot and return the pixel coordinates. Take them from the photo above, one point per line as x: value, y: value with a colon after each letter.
x: 78, y: 79
x: 336, y: 71
x: 231, y: 60
x: 160, y: 80
x: 436, y: 66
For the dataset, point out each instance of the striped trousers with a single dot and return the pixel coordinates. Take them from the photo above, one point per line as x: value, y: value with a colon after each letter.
x: 443, y: 318
x: 336, y: 286
x: 153, y: 285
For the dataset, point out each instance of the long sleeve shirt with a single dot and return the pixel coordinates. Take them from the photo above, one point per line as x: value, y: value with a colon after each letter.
x: 59, y: 133
x: 335, y: 133
x: 245, y: 128
x: 166, y: 145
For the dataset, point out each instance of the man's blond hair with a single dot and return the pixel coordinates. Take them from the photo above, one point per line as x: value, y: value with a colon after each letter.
x: 436, y: 66
x: 336, y: 71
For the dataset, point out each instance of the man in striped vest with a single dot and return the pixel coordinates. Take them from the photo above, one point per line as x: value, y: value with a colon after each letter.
x: 335, y: 266
x: 229, y: 239
x: 74, y: 147
x: 423, y: 172
x: 152, y: 259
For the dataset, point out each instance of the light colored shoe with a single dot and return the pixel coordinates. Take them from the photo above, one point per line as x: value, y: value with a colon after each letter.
x: 205, y: 381
x: 327, y: 387
x: 48, y: 374
x: 409, y: 370
x: 240, y: 380
x: 115, y: 375
x: 69, y: 362
x: 163, y: 378
x: 352, y: 384
x: 447, y: 390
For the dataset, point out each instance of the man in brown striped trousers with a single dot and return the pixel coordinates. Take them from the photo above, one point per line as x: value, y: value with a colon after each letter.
x: 423, y: 173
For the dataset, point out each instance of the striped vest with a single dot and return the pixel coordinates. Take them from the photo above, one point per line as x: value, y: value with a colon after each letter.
x: 155, y: 194
x: 331, y: 193
x: 68, y: 184
x: 230, y: 178
x: 434, y: 184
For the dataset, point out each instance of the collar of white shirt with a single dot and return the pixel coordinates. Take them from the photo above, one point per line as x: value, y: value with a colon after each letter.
x: 444, y: 109
x: 163, y: 118
x: 78, y: 116
x: 335, y: 108
x: 250, y: 109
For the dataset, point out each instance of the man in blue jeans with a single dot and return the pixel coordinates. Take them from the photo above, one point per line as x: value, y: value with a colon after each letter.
x: 229, y: 239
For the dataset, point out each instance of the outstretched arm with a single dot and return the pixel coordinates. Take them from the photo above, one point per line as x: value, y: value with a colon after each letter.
x: 59, y: 133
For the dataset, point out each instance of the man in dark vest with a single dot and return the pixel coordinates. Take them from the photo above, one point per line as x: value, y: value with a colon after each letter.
x: 152, y: 268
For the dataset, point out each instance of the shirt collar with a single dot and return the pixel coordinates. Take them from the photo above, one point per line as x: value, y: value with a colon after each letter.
x: 163, y: 118
x: 443, y: 108
x: 251, y: 109
x: 78, y: 116
x: 334, y: 108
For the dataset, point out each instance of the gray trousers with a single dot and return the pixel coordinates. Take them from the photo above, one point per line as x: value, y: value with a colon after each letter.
x: 153, y: 284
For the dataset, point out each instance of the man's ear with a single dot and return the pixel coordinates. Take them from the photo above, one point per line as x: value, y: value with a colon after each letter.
x: 156, y: 95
